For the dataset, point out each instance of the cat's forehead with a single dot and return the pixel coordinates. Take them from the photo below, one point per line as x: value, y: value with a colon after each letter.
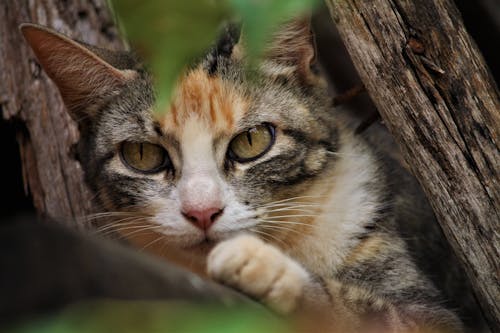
x: 217, y: 104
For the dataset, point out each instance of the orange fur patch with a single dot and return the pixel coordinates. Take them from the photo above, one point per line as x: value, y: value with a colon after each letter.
x: 148, y: 241
x: 208, y: 98
x: 368, y: 248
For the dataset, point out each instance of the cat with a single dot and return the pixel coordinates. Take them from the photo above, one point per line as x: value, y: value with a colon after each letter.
x: 251, y: 178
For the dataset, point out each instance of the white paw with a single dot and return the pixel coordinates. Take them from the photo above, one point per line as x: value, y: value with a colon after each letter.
x: 259, y: 270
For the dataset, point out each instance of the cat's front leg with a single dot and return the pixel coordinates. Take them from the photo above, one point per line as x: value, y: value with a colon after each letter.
x: 259, y: 270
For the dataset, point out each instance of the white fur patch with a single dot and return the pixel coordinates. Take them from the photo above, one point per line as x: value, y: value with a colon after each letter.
x: 260, y: 270
x: 347, y: 206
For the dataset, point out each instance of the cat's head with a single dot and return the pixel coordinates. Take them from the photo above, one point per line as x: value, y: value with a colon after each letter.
x: 235, y: 151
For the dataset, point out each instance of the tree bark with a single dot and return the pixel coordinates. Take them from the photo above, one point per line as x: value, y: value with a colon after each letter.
x: 440, y: 102
x: 46, y: 134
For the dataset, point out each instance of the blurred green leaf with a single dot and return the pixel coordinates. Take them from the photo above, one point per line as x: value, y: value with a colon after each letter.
x: 169, y: 34
x: 153, y: 316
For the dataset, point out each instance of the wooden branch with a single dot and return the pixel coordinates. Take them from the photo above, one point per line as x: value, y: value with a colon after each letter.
x: 54, y: 267
x: 46, y: 133
x: 437, y: 97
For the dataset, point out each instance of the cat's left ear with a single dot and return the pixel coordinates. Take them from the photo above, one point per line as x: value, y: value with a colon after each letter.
x: 80, y: 71
x: 293, y: 50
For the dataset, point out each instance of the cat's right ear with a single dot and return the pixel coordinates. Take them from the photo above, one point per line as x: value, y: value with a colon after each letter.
x: 83, y: 78
x: 292, y: 49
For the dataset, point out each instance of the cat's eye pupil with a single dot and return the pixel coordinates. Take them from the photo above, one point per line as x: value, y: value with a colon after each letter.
x: 141, y: 150
x: 144, y: 157
x: 249, y: 137
x: 251, y: 144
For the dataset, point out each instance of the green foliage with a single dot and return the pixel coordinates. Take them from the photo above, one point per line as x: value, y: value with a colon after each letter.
x: 153, y: 317
x: 262, y: 17
x: 171, y: 33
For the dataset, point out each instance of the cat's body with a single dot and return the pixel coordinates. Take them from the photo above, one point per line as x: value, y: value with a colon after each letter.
x: 256, y: 182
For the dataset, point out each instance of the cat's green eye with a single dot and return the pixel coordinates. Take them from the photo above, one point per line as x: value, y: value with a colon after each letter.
x: 144, y: 157
x: 252, y: 144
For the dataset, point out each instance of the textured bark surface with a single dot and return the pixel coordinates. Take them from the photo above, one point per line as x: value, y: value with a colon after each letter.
x: 438, y: 99
x: 46, y: 133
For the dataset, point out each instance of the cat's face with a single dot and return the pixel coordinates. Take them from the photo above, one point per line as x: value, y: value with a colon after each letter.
x: 229, y: 155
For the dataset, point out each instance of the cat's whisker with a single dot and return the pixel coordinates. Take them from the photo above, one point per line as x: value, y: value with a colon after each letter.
x: 160, y: 238
x: 144, y: 229
x: 103, y: 219
x: 124, y: 209
x: 293, y: 203
x: 120, y: 230
x: 263, y: 234
x: 103, y: 230
x: 163, y: 251
x: 137, y: 222
x: 129, y: 214
x: 297, y: 197
x: 129, y: 220
x: 293, y: 215
x: 130, y: 208
x: 315, y: 213
x: 276, y: 227
x: 292, y: 209
x: 93, y: 219
x: 279, y: 222
x: 266, y: 234
x: 105, y: 214
x: 123, y: 222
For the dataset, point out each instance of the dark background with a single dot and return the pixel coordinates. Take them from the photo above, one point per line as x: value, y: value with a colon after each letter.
x: 482, y: 19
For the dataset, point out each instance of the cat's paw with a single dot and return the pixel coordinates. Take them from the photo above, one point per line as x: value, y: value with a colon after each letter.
x: 259, y: 270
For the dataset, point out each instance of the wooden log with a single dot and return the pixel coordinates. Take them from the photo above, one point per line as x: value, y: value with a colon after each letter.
x: 46, y: 267
x: 440, y: 102
x: 46, y: 134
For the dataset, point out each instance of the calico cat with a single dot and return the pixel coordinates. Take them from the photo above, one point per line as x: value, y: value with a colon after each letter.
x: 252, y: 179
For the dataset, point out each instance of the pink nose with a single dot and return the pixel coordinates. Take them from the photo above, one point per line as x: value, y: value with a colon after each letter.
x: 204, y: 218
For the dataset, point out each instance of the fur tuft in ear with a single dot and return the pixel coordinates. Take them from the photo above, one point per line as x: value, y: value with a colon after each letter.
x: 83, y: 78
x: 293, y: 49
